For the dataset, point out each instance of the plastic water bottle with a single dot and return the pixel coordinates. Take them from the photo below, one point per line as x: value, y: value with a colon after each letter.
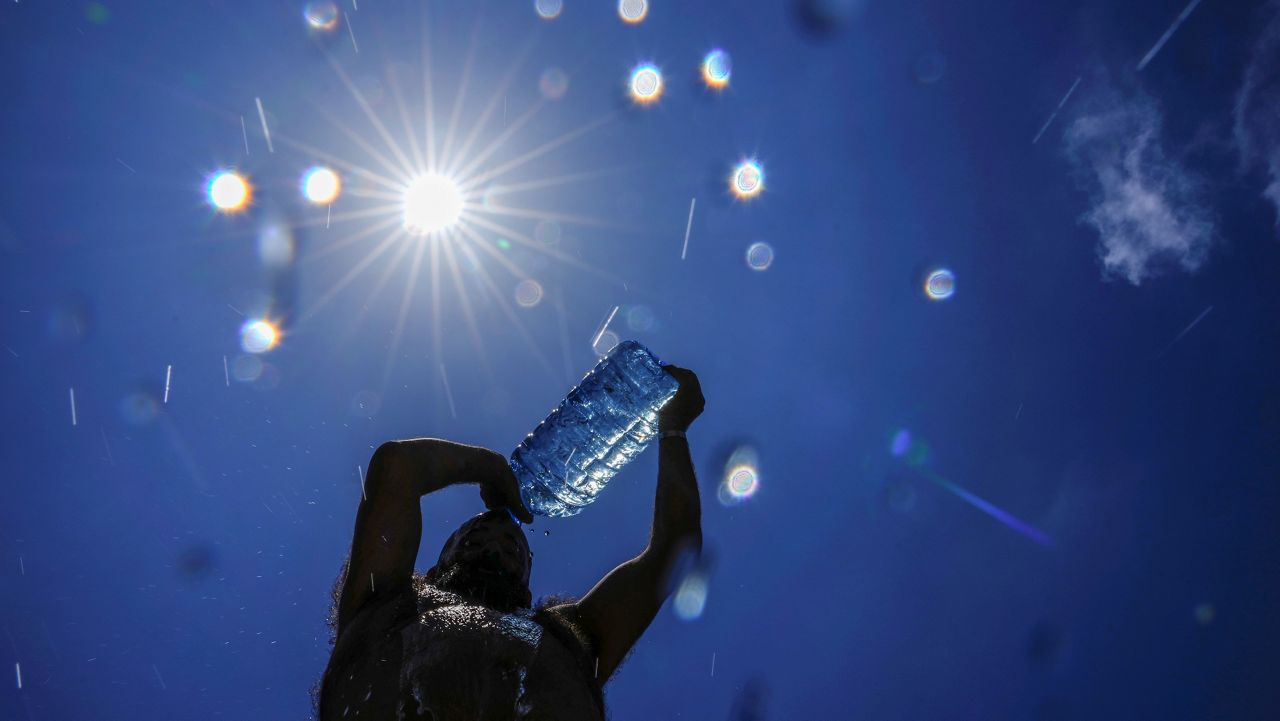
x: 602, y: 424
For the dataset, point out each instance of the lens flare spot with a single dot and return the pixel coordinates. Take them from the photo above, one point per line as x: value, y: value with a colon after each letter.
x: 900, y: 444
x: 259, y: 336
x: 431, y: 203
x: 940, y: 284
x: 246, y: 368
x: 547, y: 232
x: 747, y: 180
x: 321, y: 186
x: 528, y: 293
x: 633, y: 11
x: 553, y: 84
x: 691, y: 597
x: 646, y: 84
x: 548, y: 9
x: 275, y: 244
x: 640, y: 318
x: 717, y: 66
x: 742, y: 482
x: 741, y: 478
x: 606, y: 342
x: 228, y: 191
x: 322, y: 16
x: 759, y: 256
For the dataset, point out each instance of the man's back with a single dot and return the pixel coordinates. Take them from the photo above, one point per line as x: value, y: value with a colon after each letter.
x: 431, y: 654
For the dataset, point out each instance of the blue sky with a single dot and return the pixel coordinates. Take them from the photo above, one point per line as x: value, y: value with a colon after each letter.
x: 1104, y: 371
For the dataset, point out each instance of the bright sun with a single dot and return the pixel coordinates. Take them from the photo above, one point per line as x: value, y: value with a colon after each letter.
x: 431, y: 203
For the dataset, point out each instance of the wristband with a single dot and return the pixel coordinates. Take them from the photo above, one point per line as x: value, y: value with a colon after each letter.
x: 671, y: 434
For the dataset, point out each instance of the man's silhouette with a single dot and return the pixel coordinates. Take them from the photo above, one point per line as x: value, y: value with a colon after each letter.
x: 462, y: 641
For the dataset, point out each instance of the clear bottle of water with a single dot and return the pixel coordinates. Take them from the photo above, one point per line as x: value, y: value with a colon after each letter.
x: 602, y: 424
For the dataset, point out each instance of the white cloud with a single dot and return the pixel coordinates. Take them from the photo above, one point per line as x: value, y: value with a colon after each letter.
x: 1257, y: 111
x: 1146, y: 206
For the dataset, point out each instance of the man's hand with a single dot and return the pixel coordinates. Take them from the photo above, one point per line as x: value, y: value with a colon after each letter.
x: 687, y: 404
x: 498, y: 485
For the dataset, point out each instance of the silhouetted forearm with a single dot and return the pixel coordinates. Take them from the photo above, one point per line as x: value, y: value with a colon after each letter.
x: 677, y: 512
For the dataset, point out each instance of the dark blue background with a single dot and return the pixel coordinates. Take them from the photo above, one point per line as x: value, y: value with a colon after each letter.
x: 179, y: 566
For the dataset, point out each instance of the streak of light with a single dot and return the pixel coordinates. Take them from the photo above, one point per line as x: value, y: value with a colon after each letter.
x: 1017, y: 415
x: 603, y: 328
x: 713, y: 663
x: 12, y: 352
x: 262, y: 115
x: 159, y: 678
x: 168, y: 376
x: 688, y: 227
x: 474, y: 330
x: 360, y: 472
x: 409, y: 287
x: 1167, y: 34
x: 372, y: 588
x: 126, y: 165
x: 351, y: 32
x: 23, y: 568
x: 17, y: 668
x: 328, y: 216
x: 988, y: 508
x: 1055, y: 112
x: 464, y: 82
x: 448, y: 392
x: 226, y: 376
x: 73, y: 406
x: 244, y: 132
x: 1185, y: 331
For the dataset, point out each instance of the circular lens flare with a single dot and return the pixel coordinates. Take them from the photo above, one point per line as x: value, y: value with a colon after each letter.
x: 633, y: 11
x: 646, y: 84
x: 528, y: 293
x: 716, y: 69
x: 431, y: 203
x: 940, y: 284
x: 747, y: 180
x: 321, y: 15
x: 228, y: 191
x: 759, y: 256
x: 321, y: 186
x: 258, y: 336
x: 548, y: 9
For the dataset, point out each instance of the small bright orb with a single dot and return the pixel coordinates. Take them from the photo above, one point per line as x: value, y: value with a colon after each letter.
x: 940, y: 284
x: 716, y: 69
x: 321, y: 16
x: 431, y: 203
x: 633, y: 11
x: 321, y: 186
x: 691, y: 597
x: 646, y: 84
x: 548, y: 9
x: 258, y: 336
x: 748, y: 179
x: 228, y: 191
x: 553, y: 84
x: 759, y: 256
x: 742, y: 481
x: 528, y: 293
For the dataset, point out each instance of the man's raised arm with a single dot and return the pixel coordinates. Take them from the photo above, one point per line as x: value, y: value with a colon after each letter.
x: 388, y: 529
x: 622, y: 605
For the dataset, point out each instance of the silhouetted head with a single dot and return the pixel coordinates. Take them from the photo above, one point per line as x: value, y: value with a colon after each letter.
x: 488, y: 560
